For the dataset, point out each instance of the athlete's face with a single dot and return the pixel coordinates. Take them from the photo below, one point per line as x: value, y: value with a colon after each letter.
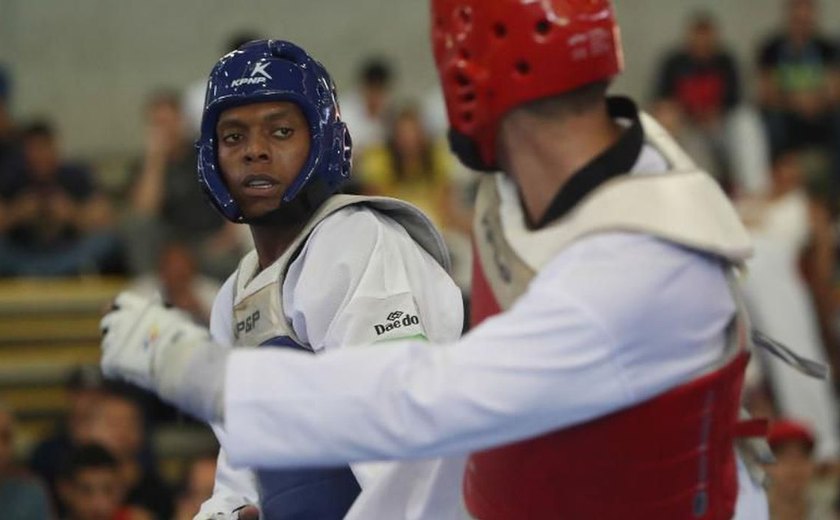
x: 262, y: 148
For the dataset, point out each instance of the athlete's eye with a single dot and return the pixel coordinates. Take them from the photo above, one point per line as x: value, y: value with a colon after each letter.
x: 284, y: 132
x: 231, y: 138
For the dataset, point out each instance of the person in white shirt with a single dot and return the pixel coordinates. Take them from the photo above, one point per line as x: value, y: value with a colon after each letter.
x: 603, y: 376
x: 328, y: 270
x: 364, y: 109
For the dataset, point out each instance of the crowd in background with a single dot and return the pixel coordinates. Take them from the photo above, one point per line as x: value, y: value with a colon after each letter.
x: 774, y: 147
x: 98, y: 465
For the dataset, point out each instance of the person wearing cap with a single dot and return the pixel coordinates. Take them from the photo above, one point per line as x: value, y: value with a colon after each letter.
x: 84, y: 391
x: 603, y: 374
x: 793, y: 471
x: 328, y: 270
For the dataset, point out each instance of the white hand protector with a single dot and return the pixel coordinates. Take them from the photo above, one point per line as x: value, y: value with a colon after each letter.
x: 162, y: 350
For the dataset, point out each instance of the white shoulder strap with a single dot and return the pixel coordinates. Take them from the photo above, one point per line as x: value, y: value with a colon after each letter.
x: 686, y: 208
x: 266, y: 288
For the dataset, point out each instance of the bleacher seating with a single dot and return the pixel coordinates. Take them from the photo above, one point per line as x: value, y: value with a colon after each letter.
x: 49, y: 327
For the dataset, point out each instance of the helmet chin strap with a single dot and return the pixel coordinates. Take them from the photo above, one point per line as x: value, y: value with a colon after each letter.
x: 466, y: 150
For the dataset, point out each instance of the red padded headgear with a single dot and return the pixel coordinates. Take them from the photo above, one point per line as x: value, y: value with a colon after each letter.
x: 494, y: 55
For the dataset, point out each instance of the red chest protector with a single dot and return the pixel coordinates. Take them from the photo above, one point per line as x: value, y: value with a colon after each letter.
x: 669, y: 458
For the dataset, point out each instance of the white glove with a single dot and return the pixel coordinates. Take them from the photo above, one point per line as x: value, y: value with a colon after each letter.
x: 162, y: 350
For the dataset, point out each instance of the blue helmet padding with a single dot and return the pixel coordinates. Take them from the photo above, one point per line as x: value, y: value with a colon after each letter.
x: 274, y: 70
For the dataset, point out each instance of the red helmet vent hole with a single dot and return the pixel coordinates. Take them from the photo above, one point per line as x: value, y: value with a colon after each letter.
x: 465, y: 54
x: 468, y: 97
x: 462, y: 80
x: 465, y: 14
x: 467, y: 117
x: 543, y: 27
x: 499, y: 30
x: 523, y: 67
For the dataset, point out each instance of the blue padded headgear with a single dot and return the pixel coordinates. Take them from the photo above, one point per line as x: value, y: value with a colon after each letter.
x: 276, y: 70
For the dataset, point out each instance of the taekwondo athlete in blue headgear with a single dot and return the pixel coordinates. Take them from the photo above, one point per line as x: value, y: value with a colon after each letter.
x: 328, y: 270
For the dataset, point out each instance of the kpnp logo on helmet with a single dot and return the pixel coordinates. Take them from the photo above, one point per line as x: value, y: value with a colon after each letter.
x: 259, y: 68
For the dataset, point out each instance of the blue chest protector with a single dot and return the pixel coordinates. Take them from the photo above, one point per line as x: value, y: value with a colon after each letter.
x: 307, y: 493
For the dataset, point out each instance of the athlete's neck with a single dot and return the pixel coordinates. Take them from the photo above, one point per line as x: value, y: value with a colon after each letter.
x: 272, y: 240
x: 542, y: 154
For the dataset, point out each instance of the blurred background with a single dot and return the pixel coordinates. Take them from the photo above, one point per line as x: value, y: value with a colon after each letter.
x: 99, y: 105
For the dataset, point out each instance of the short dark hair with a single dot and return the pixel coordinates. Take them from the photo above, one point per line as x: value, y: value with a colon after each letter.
x: 376, y: 72
x: 5, y: 85
x: 86, y: 456
x: 240, y: 38
x: 702, y: 20
x: 38, y: 128
x: 85, y: 377
x: 574, y: 102
x: 786, y: 151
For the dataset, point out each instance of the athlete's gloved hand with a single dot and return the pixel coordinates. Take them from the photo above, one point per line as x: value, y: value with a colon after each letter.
x: 162, y: 350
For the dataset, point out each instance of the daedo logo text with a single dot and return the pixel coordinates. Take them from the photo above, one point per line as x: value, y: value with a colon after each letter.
x: 396, y: 320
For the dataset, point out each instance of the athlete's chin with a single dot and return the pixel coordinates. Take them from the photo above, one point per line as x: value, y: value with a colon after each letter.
x: 260, y: 209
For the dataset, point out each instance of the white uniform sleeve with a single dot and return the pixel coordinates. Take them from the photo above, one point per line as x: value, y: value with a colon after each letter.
x: 234, y: 487
x: 559, y: 356
x: 361, y: 279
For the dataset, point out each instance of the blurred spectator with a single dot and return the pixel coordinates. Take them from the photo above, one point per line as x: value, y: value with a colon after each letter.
x: 84, y: 393
x: 790, y: 230
x: 365, y: 109
x: 414, y: 167
x: 799, y: 89
x: 791, y: 475
x: 700, y: 77
x: 53, y: 217
x: 167, y: 201
x: 434, y: 112
x: 179, y: 283
x: 196, y: 488
x: 697, y: 86
x: 92, y: 488
x: 119, y: 426
x: 21, y: 497
x: 194, y: 93
x: 10, y: 155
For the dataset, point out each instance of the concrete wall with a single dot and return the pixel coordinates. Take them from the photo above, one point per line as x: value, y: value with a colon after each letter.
x: 90, y: 63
